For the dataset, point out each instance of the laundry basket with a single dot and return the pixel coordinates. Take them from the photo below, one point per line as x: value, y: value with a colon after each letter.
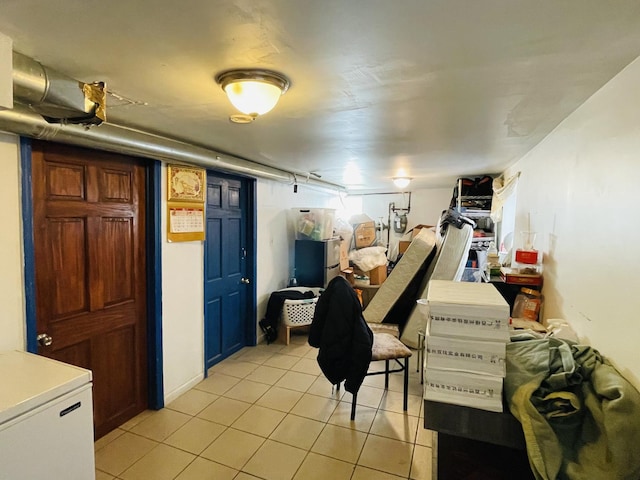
x: 297, y: 313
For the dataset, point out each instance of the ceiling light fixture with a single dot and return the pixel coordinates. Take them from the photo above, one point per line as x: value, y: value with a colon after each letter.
x: 401, y: 182
x: 253, y: 92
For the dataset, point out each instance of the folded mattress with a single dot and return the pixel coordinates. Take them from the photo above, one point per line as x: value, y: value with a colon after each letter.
x: 449, y: 264
x: 411, y: 264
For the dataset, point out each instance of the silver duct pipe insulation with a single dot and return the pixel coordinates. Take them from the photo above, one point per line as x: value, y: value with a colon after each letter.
x: 128, y: 141
x: 58, y: 98
x: 32, y: 86
x: 29, y: 80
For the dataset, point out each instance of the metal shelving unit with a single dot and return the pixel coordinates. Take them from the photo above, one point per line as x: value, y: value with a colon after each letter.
x: 478, y: 209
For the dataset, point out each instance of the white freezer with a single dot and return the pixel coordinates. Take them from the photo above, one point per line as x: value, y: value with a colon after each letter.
x: 46, y: 419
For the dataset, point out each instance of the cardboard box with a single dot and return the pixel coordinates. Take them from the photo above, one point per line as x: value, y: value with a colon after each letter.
x: 530, y: 257
x: 471, y: 310
x: 364, y: 234
x: 409, y: 236
x: 512, y: 275
x: 416, y: 230
x: 465, y: 389
x: 349, y: 275
x: 377, y: 275
x: 344, y: 255
x: 468, y: 355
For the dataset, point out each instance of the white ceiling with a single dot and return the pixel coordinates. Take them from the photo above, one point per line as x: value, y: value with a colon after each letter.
x: 440, y: 88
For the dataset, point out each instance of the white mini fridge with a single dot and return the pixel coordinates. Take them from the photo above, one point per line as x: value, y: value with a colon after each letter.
x: 46, y: 419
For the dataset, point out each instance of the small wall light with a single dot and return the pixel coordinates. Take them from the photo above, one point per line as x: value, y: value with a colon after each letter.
x: 253, y: 92
x: 401, y: 182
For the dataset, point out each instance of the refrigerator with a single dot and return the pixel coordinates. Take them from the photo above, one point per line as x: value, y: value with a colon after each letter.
x: 316, y: 262
x: 46, y: 419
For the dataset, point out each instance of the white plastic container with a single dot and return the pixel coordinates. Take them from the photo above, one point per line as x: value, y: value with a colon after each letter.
x: 313, y: 223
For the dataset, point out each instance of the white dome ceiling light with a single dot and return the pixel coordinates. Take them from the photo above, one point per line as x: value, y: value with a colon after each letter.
x: 252, y: 91
x: 401, y: 182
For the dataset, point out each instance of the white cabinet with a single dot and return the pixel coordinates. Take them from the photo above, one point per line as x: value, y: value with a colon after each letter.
x: 46, y: 419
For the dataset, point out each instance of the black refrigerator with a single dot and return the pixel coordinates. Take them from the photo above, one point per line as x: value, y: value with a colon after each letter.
x: 317, y: 262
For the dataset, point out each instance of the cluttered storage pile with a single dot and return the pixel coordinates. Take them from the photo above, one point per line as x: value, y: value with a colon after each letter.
x: 465, y: 351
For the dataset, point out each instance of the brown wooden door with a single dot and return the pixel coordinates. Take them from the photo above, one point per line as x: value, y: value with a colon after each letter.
x: 89, y: 246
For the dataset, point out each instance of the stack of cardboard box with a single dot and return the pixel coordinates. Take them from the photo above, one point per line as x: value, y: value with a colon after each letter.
x: 465, y: 351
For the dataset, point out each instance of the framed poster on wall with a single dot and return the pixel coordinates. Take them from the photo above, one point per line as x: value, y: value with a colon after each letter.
x: 185, y: 184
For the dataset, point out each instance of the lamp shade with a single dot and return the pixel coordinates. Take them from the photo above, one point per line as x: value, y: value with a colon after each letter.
x: 253, y: 92
x: 253, y: 97
x: 401, y: 182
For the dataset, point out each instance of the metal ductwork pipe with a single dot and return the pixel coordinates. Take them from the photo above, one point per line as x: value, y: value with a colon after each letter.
x: 58, y: 98
x: 31, y: 86
x: 128, y: 141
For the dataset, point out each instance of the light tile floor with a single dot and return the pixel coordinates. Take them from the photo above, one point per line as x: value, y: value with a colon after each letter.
x: 268, y: 413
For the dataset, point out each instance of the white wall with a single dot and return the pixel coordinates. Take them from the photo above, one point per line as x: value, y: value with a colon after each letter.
x: 275, y: 235
x: 426, y: 207
x: 183, y: 280
x: 12, y: 319
x: 182, y: 309
x: 579, y: 187
x: 183, y: 270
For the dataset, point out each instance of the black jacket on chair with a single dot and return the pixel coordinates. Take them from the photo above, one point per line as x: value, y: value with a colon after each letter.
x: 342, y: 335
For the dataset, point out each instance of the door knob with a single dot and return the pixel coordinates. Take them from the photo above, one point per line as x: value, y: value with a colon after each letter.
x: 245, y: 280
x: 44, y: 340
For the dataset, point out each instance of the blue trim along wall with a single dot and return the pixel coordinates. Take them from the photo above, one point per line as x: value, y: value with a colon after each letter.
x: 27, y: 235
x: 154, y: 285
x: 252, y: 246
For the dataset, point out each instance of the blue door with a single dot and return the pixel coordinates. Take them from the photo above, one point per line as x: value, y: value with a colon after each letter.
x: 229, y: 267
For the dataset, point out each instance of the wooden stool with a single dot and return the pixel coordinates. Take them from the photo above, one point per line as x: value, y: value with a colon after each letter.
x: 387, y: 347
x: 284, y: 332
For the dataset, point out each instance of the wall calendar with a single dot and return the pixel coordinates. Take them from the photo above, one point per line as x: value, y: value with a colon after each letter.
x: 186, y: 188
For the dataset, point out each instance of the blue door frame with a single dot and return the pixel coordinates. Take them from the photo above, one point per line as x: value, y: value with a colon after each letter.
x: 154, y: 270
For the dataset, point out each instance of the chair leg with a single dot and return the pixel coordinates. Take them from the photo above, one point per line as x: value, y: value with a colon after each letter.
x: 386, y: 374
x: 353, y: 407
x: 420, y: 350
x: 406, y: 382
x: 421, y: 355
